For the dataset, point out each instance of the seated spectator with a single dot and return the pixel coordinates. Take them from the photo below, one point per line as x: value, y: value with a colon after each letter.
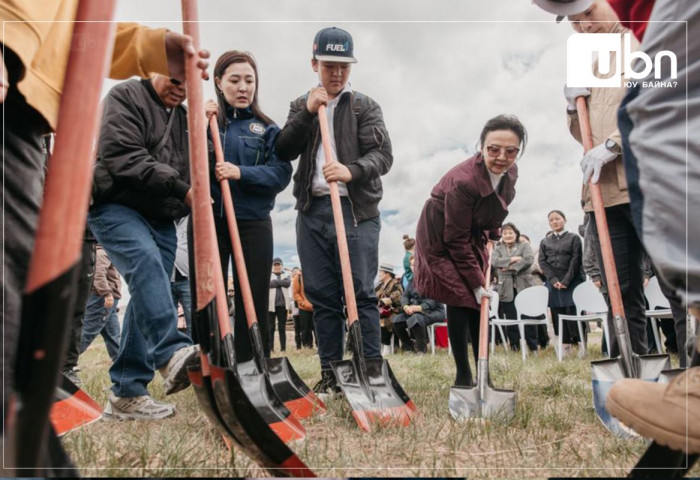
x: 388, y: 293
x: 417, y: 312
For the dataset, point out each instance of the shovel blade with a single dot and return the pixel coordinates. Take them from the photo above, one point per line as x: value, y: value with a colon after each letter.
x: 651, y: 366
x: 667, y: 375
x: 264, y: 400
x: 291, y: 389
x: 465, y: 403
x: 72, y: 408
x: 604, y: 374
x: 377, y: 402
x: 251, y: 430
x: 205, y: 397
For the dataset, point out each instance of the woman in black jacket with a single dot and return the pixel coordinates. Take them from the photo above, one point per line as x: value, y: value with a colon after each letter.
x: 560, y: 260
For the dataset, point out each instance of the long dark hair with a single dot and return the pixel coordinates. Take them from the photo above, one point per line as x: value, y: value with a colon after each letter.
x: 222, y: 63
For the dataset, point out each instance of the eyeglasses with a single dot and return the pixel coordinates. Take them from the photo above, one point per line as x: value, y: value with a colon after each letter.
x: 175, y: 81
x: 495, y: 150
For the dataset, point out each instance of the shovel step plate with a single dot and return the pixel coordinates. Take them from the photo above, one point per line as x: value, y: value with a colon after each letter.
x: 605, y: 373
x: 383, y: 405
x: 291, y: 389
x: 72, y: 408
x: 260, y: 396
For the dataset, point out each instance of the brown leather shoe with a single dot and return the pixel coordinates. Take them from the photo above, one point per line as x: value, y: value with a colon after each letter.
x: 661, y: 411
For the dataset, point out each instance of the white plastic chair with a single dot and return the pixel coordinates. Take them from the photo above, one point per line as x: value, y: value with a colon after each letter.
x: 588, y: 299
x: 531, y: 302
x: 658, y: 308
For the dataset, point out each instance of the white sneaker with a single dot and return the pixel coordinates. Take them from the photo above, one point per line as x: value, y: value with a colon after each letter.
x: 137, y: 408
x: 174, y: 373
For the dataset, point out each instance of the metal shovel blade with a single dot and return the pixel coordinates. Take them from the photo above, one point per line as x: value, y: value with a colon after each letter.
x: 482, y: 400
x: 72, y: 408
x: 605, y: 373
x: 667, y: 375
x: 372, y: 396
x: 291, y: 389
x: 263, y: 398
x: 249, y: 427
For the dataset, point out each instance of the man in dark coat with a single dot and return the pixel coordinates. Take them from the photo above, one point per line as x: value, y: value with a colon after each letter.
x: 361, y: 145
x: 141, y: 186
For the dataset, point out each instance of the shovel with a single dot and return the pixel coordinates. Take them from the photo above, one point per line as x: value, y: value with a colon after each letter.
x: 278, y: 372
x: 72, y: 408
x: 217, y: 385
x: 482, y: 400
x: 373, y: 392
x: 49, y: 295
x: 605, y: 373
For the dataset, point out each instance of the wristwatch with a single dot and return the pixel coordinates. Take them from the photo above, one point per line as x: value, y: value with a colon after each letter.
x: 612, y: 146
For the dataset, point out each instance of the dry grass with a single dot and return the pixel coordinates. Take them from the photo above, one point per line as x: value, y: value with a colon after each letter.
x: 555, y: 431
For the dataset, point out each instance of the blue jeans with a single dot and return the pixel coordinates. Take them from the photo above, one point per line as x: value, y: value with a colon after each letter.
x: 318, y: 252
x: 144, y: 253
x: 180, y: 290
x: 99, y: 320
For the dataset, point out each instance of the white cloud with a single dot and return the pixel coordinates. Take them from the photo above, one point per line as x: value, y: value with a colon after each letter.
x: 438, y: 74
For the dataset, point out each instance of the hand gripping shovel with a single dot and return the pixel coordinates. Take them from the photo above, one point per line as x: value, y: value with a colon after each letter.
x: 277, y: 372
x: 217, y: 385
x: 482, y: 400
x: 605, y: 373
x: 373, y: 392
x: 49, y: 295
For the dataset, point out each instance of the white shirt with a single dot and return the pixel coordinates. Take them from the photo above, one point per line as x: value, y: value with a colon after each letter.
x: 319, y: 186
x: 495, y: 178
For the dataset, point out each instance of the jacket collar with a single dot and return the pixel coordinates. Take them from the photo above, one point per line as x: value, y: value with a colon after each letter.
x: 238, y: 113
x: 146, y: 82
x: 483, y: 180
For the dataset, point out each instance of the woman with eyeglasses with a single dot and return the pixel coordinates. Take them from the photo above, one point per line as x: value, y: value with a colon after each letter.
x: 465, y: 209
x: 256, y: 175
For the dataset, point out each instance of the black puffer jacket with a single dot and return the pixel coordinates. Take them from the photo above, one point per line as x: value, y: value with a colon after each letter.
x: 133, y: 123
x: 362, y: 143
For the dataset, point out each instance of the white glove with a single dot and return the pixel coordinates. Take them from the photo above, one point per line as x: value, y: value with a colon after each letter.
x: 593, y: 161
x: 481, y: 293
x: 572, y: 93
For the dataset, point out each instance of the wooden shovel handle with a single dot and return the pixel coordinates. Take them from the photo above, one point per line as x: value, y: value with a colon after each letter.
x: 208, y: 276
x: 484, y: 318
x: 238, y: 259
x: 343, y: 251
x: 613, y: 284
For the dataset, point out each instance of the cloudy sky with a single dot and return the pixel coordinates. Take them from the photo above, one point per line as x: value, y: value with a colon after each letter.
x: 439, y: 69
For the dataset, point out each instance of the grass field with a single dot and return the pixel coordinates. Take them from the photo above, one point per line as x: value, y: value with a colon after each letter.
x: 555, y: 431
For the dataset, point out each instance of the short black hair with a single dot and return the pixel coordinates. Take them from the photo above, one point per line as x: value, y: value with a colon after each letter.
x: 505, y: 122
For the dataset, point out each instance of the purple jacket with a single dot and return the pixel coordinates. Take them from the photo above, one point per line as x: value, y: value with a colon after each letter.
x: 452, y: 232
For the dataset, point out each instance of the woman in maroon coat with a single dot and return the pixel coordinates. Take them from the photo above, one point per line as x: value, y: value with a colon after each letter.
x: 468, y: 203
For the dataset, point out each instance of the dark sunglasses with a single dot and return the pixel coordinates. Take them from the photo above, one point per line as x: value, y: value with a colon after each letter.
x: 175, y: 81
x: 495, y: 150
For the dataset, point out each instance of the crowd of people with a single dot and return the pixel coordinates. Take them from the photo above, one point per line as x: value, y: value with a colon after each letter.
x: 142, y: 196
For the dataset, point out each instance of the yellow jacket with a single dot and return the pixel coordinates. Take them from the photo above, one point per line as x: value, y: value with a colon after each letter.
x: 39, y: 32
x: 602, y: 110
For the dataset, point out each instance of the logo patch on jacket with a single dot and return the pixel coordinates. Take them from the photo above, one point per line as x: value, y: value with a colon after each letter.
x: 258, y: 128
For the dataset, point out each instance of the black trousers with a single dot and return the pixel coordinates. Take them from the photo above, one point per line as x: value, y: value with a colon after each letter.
x: 306, y: 321
x: 256, y: 238
x: 629, y: 263
x: 570, y: 331
x: 297, y: 331
x: 23, y: 184
x: 280, y: 314
x: 463, y: 325
x: 531, y: 331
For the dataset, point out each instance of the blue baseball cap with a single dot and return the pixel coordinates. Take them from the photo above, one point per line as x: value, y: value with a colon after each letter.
x: 333, y: 44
